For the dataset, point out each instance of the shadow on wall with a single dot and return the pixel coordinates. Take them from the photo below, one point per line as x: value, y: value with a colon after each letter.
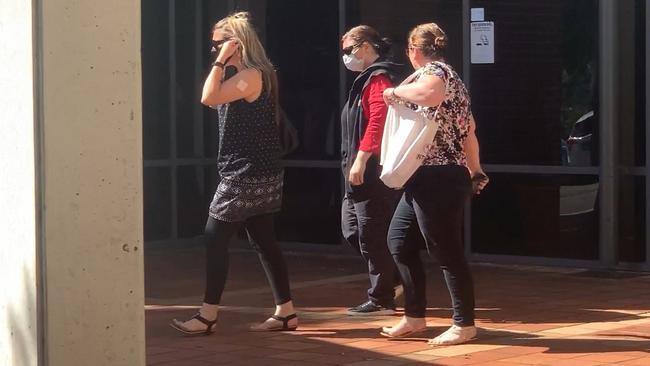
x: 23, y: 325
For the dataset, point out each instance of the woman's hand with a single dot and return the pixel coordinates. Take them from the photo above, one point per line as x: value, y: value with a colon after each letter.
x: 227, y: 50
x: 389, y: 96
x: 357, y: 171
x: 479, y: 181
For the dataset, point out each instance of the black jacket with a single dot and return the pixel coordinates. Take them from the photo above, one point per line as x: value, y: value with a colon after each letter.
x: 353, y: 123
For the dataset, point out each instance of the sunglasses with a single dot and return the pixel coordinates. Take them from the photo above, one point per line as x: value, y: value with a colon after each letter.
x: 348, y: 50
x: 216, y: 45
x: 409, y: 49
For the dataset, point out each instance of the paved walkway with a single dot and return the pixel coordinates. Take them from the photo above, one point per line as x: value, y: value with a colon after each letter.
x: 526, y: 315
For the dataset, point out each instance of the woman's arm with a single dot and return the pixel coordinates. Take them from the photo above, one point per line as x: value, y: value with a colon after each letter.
x: 244, y: 84
x: 428, y: 91
x: 471, y: 147
x: 372, y: 99
x: 375, y: 110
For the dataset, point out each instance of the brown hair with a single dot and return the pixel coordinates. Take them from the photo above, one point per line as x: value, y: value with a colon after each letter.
x: 365, y: 33
x: 429, y: 38
x: 238, y: 26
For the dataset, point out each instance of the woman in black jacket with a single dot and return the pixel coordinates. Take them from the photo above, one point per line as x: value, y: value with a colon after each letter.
x: 368, y: 204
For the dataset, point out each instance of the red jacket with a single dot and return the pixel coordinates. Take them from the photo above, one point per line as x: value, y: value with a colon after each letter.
x: 374, y: 111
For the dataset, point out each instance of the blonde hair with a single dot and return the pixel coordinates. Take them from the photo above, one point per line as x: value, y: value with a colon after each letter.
x: 238, y: 26
x: 429, y: 38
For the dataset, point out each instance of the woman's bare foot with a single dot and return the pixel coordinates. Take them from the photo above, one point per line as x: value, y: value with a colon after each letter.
x: 406, y: 326
x: 454, y: 335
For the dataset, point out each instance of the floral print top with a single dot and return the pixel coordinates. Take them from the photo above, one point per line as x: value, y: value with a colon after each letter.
x: 453, y: 118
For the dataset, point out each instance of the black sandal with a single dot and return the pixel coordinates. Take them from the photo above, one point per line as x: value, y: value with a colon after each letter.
x: 178, y: 325
x: 285, y: 324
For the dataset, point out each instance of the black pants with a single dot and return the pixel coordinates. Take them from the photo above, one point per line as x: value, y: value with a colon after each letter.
x: 434, y: 199
x: 261, y: 235
x: 365, y: 216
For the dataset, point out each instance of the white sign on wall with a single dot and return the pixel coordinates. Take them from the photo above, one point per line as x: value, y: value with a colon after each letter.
x: 477, y: 14
x: 482, y: 39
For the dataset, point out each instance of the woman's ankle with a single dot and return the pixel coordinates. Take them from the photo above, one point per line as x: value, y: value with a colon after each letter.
x: 285, y: 309
x: 414, y: 320
x: 209, y: 311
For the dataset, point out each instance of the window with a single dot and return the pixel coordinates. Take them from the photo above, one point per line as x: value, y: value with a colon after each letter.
x: 536, y: 105
x: 537, y: 215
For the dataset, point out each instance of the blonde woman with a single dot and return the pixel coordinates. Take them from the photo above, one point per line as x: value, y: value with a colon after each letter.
x: 250, y: 190
x: 435, y: 195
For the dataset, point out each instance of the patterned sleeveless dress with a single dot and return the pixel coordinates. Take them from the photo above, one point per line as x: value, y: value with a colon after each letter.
x: 248, y: 161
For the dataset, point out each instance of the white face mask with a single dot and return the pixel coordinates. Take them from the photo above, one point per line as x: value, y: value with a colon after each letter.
x: 353, y: 63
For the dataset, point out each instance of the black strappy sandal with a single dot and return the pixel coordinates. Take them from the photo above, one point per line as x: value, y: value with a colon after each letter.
x: 178, y: 325
x: 284, y: 328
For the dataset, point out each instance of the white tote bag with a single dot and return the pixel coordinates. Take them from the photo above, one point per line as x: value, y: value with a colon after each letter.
x: 406, y: 135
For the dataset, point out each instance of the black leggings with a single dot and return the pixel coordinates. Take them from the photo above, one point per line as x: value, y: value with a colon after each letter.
x: 434, y: 200
x: 261, y: 235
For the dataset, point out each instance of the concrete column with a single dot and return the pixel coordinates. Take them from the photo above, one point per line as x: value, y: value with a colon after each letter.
x: 71, y: 183
x: 18, y: 306
x: 647, y: 134
x: 608, y: 109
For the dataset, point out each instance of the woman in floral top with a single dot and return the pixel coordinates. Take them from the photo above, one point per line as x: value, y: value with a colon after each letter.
x: 435, y: 195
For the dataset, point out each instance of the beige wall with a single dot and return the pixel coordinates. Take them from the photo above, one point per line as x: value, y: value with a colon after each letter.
x: 18, y: 334
x: 91, y: 183
x: 93, y: 179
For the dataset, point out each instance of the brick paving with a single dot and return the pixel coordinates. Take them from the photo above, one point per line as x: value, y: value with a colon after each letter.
x: 526, y: 316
